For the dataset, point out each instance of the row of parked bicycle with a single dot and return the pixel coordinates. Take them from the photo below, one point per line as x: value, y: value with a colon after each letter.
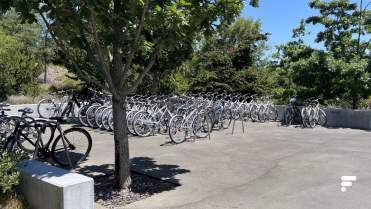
x: 309, y: 115
x: 181, y: 117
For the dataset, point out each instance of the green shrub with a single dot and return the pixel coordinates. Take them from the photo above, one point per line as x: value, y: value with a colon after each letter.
x: 66, y: 81
x: 30, y: 89
x: 21, y: 57
x: 9, y: 176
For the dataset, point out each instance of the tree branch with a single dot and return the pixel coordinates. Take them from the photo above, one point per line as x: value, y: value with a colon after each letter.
x: 146, y: 69
x: 134, y: 46
x: 102, y: 62
x: 64, y: 50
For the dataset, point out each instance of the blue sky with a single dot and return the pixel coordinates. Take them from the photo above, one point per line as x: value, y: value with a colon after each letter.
x: 280, y: 17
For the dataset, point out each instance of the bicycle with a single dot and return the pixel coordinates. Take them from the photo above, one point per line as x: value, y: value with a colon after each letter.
x: 317, y: 115
x: 63, y: 149
x: 64, y: 107
x: 292, y: 114
x: 194, y: 122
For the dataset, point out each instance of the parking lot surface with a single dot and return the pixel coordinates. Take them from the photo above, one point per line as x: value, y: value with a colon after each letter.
x: 268, y: 166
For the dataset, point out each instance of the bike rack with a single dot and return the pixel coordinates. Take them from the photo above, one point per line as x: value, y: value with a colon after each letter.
x: 234, y: 123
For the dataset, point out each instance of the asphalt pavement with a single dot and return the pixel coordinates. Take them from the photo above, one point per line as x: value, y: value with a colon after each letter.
x: 268, y: 166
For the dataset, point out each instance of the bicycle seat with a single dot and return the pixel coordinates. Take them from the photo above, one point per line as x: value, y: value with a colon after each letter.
x: 26, y: 110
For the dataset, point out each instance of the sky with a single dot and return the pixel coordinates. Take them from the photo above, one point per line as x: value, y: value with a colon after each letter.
x: 280, y: 17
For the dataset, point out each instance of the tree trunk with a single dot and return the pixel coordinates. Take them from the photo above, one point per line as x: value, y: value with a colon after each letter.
x: 122, y: 163
x: 354, y: 102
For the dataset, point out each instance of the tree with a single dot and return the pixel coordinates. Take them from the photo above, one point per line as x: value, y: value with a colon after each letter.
x: 224, y: 58
x: 122, y: 40
x: 21, y: 52
x: 346, y: 38
x: 305, y: 71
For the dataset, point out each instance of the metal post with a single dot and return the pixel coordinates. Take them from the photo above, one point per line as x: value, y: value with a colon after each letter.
x: 45, y: 56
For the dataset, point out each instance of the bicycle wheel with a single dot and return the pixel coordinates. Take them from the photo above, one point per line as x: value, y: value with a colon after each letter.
x: 312, y: 120
x: 305, y: 117
x: 164, y: 121
x: 106, y: 119
x: 322, y: 117
x: 245, y: 112
x: 236, y: 113
x: 254, y: 113
x: 29, y: 144
x: 200, y: 125
x: 99, y: 115
x: 287, y: 118
x: 142, y: 123
x: 82, y: 115
x: 261, y: 114
x: 5, y: 126
x: 226, y: 118
x: 47, y: 108
x: 110, y: 122
x: 90, y: 116
x: 177, y: 132
x: 273, y: 113
x: 78, y: 143
x: 129, y: 121
x: 10, y: 144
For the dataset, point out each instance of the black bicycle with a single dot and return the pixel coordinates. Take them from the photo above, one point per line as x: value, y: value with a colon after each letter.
x: 38, y: 138
x: 292, y: 114
x: 61, y: 104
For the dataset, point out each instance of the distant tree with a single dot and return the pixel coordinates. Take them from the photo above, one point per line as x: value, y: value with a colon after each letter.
x: 21, y: 59
x: 346, y: 36
x: 304, y: 71
x: 224, y: 59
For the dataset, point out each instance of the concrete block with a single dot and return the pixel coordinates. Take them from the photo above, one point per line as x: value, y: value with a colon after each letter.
x: 48, y: 187
x: 347, y: 118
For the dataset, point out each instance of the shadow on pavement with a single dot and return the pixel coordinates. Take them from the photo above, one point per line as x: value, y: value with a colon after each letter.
x: 148, y: 166
x: 141, y: 165
x: 147, y: 177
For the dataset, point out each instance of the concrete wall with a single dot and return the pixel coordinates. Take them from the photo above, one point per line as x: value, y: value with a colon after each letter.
x: 346, y: 118
x: 342, y: 118
x: 49, y: 187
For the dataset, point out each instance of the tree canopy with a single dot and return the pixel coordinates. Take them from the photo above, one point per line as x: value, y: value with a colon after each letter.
x: 120, y: 42
x: 341, y: 70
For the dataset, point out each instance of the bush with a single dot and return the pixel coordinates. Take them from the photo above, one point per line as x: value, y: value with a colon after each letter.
x: 9, y: 180
x: 63, y: 80
x: 9, y: 176
x: 20, y: 56
x: 31, y: 89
